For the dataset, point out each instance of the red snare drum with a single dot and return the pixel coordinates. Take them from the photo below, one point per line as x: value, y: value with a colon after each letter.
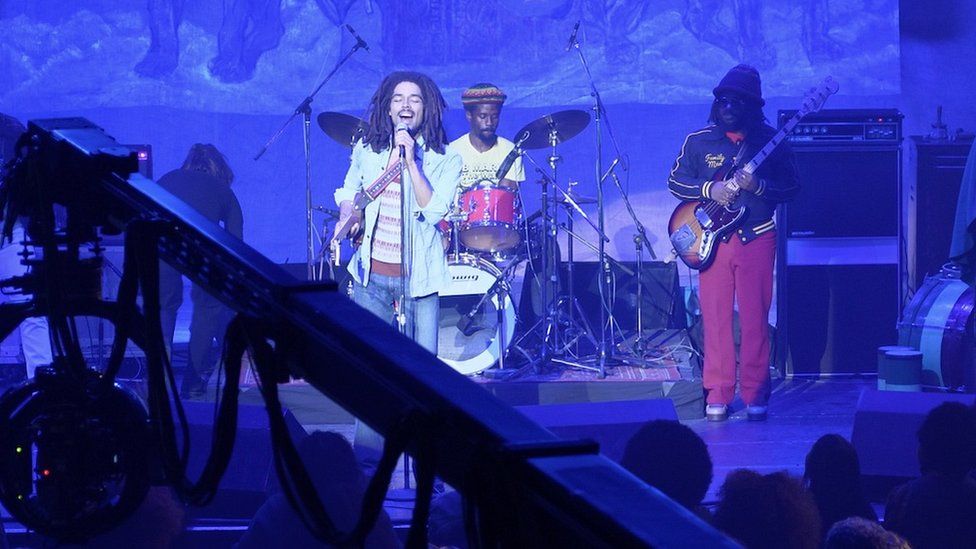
x: 493, y: 215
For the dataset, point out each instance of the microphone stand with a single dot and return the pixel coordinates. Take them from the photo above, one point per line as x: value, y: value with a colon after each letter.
x: 305, y: 109
x: 641, y: 242
x: 400, y: 308
x: 604, y: 353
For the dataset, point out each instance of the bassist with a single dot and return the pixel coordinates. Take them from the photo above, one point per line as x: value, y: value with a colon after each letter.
x: 741, y: 272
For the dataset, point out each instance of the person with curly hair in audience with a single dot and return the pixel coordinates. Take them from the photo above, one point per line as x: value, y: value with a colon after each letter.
x: 767, y: 511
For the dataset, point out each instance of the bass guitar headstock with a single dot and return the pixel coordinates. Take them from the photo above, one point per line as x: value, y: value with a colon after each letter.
x: 814, y: 100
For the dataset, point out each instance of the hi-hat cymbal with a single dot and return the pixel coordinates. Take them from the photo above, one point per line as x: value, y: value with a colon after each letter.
x: 578, y: 198
x: 343, y: 128
x: 561, y: 126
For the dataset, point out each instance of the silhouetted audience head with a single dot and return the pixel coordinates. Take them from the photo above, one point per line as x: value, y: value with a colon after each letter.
x: 672, y: 458
x: 340, y: 484
x: 833, y: 476
x: 860, y: 533
x: 156, y: 524
x: 767, y: 511
x: 947, y: 440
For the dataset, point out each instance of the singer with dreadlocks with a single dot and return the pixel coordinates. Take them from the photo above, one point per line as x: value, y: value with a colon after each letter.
x: 405, y: 123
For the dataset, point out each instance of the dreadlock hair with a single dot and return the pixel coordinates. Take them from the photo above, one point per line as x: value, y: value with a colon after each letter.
x: 204, y: 157
x: 380, y: 130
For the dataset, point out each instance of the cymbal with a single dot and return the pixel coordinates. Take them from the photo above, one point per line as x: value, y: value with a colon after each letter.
x: 578, y: 198
x: 343, y: 128
x: 565, y: 124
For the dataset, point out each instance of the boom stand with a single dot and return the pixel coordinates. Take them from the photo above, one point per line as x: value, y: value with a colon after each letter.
x: 604, y: 355
x: 305, y: 109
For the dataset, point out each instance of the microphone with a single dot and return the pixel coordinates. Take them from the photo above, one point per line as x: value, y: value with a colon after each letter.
x: 402, y: 127
x: 572, y: 37
x: 362, y: 43
x: 465, y: 322
x: 507, y: 163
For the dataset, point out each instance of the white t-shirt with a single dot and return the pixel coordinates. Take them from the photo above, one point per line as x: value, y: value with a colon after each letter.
x: 483, y: 165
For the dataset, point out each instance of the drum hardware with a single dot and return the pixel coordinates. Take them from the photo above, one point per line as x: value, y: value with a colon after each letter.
x: 342, y: 128
x: 939, y: 322
x: 454, y: 220
x: 556, y: 128
x: 322, y: 258
x: 502, y: 289
x: 474, y: 288
x: 305, y: 109
x: 572, y: 206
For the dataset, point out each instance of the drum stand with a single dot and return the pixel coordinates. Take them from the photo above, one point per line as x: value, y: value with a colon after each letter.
x: 501, y: 290
x: 553, y: 346
x: 580, y: 328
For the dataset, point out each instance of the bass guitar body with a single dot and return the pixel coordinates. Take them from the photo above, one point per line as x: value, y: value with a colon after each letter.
x: 696, y: 228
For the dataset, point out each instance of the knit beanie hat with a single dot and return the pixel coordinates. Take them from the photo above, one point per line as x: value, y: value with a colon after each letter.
x: 742, y: 80
x: 483, y: 94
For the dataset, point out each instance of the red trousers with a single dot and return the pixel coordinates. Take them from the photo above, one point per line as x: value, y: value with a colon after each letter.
x: 742, y: 274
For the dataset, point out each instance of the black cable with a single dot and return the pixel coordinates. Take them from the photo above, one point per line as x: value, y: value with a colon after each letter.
x: 142, y: 240
x: 425, y: 470
x: 295, y: 481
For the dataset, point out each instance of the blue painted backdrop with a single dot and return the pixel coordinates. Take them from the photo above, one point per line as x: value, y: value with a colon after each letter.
x: 175, y: 72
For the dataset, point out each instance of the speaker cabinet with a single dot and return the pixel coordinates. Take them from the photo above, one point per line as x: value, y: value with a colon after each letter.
x: 663, y: 306
x: 885, y: 427
x: 846, y: 190
x: 840, y: 270
x: 611, y: 424
x: 837, y: 316
x: 934, y: 176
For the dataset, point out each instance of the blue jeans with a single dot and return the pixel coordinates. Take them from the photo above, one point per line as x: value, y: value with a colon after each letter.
x: 378, y: 297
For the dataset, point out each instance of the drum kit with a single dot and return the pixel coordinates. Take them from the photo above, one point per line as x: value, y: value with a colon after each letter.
x: 494, y: 248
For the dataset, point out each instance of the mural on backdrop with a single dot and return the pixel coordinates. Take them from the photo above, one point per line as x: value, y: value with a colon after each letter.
x: 263, y: 56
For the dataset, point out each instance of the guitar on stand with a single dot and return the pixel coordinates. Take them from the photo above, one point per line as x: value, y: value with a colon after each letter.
x: 696, y: 227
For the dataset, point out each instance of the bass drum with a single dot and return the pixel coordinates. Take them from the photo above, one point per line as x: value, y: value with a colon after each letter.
x: 471, y: 278
x: 939, y: 322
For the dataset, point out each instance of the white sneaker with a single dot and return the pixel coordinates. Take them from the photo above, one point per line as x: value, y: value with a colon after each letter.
x: 716, y: 412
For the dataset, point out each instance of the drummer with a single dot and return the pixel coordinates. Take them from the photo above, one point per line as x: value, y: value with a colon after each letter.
x: 482, y: 150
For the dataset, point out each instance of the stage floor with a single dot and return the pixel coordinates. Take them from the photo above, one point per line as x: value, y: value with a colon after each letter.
x: 801, y: 410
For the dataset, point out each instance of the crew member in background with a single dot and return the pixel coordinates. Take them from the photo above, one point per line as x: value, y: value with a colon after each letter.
x: 482, y: 149
x: 203, y: 182
x: 405, y: 112
x: 35, y: 339
x: 742, y: 270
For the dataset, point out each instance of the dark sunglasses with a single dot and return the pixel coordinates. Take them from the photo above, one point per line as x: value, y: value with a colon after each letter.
x: 731, y: 100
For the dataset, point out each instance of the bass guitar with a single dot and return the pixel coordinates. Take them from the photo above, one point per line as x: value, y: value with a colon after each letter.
x: 697, y: 226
